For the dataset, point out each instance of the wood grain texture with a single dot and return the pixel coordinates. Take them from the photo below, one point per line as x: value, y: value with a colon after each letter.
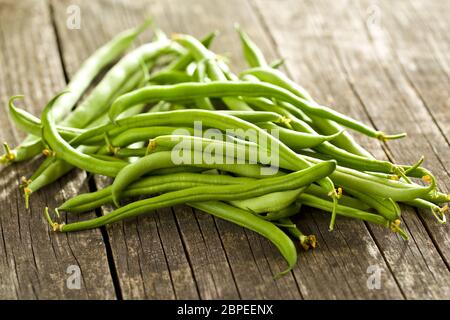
x: 33, y: 260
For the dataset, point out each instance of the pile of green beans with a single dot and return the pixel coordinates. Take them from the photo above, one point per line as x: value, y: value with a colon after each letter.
x: 157, y: 123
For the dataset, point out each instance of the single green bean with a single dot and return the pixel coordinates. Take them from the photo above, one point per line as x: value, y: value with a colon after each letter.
x: 319, y: 203
x: 387, y: 207
x: 237, y: 88
x: 252, y: 53
x: 297, y: 140
x: 170, y: 77
x: 289, y: 211
x: 275, y: 201
x: 32, y: 125
x: 247, y: 220
x: 437, y: 211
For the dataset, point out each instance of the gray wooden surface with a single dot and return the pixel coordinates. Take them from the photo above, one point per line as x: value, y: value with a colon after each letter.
x: 383, y: 62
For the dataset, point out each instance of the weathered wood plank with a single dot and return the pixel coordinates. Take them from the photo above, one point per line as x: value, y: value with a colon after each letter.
x: 332, y: 57
x: 34, y: 261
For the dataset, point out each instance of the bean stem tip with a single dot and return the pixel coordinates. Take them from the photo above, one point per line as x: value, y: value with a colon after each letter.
x: 386, y: 137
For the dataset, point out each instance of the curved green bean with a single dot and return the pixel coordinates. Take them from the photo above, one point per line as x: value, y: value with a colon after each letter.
x: 387, y: 207
x: 270, y: 202
x: 239, y: 217
x: 252, y: 222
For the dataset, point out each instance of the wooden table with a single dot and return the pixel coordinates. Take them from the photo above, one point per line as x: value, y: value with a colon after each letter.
x: 386, y: 63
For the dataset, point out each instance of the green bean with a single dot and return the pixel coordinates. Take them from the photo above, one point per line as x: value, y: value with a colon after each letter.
x: 252, y: 53
x: 170, y: 77
x: 342, y: 156
x: 269, y: 202
x: 124, y: 133
x: 181, y: 169
x: 306, y: 242
x: 319, y: 203
x: 109, y: 158
x: 48, y: 172
x: 213, y: 150
x: 277, y: 63
x: 387, y: 207
x: 210, y: 119
x: 328, y: 151
x: 277, y: 78
x: 101, y: 58
x: 349, y: 212
x: 64, y: 151
x: 437, y: 211
x: 237, y: 88
x: 131, y: 135
x: 101, y: 95
x: 437, y: 197
x: 255, y: 117
x: 200, y: 76
x: 148, y: 186
x: 297, y: 140
x: 265, y: 104
x: 32, y: 125
x: 252, y: 222
x: 216, y: 74
x: 26, y: 150
x: 130, y: 152
x: 206, y: 193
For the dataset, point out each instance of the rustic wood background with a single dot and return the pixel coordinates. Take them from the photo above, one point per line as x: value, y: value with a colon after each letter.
x: 385, y: 62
